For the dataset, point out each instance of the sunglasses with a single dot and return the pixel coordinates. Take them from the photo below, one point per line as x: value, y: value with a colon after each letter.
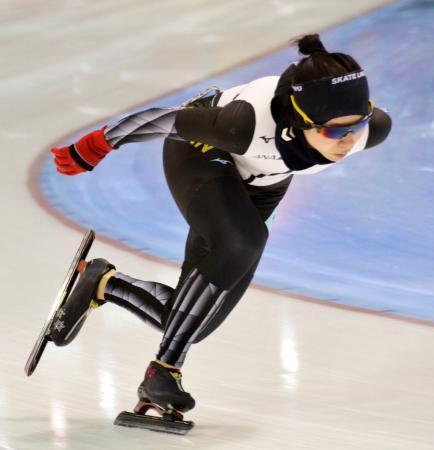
x: 339, y: 132
x: 334, y: 131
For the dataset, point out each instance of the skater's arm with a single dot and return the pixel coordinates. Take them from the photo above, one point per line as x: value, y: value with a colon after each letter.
x: 142, y: 126
x: 89, y: 150
x: 229, y: 128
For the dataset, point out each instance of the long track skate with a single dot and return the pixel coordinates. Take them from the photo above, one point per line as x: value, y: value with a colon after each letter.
x: 62, y: 295
x: 168, y: 421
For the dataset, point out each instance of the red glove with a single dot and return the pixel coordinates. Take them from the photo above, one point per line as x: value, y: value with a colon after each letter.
x: 82, y: 156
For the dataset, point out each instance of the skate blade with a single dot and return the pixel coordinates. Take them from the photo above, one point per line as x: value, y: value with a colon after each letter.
x: 147, y: 422
x: 63, y: 293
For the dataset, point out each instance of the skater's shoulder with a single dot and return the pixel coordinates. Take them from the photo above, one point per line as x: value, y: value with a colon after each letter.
x: 262, y: 86
x: 269, y: 81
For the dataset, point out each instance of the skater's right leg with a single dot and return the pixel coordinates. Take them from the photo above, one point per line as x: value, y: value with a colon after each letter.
x: 101, y: 283
x: 71, y: 316
x: 148, y: 300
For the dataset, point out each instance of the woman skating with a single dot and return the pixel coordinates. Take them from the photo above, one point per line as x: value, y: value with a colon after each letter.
x: 228, y: 160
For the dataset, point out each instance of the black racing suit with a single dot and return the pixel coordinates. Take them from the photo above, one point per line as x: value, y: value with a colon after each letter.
x: 226, y: 217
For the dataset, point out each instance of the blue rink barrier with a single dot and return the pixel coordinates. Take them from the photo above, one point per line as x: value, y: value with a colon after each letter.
x: 360, y: 233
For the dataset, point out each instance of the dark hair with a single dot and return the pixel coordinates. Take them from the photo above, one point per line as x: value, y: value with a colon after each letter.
x: 319, y: 63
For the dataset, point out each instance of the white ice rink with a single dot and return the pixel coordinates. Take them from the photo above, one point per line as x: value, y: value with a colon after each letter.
x: 280, y: 373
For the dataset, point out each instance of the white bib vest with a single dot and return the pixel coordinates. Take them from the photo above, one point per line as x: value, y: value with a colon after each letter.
x: 262, y: 164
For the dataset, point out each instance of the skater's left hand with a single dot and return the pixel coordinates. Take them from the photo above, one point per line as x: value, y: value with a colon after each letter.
x: 82, y: 156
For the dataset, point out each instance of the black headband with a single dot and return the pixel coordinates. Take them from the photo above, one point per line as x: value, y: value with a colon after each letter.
x: 321, y: 100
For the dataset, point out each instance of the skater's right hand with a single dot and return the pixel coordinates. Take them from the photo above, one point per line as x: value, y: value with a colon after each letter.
x: 82, y: 156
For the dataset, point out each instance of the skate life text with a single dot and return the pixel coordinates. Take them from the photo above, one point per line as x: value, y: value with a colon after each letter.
x: 351, y: 76
x: 335, y: 80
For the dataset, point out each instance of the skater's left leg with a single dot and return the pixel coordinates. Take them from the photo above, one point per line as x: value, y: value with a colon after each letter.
x: 236, y: 236
x: 232, y: 240
x: 228, y: 236
x: 266, y: 199
x: 217, y: 207
x: 162, y: 382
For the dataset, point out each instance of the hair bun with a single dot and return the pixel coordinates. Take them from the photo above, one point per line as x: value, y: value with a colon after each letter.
x: 310, y: 44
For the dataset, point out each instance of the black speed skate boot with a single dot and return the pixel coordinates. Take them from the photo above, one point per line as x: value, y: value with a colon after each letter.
x: 71, y: 316
x: 162, y: 392
x: 162, y: 387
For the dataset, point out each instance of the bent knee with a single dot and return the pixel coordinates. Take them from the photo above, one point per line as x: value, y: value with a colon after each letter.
x: 245, y: 246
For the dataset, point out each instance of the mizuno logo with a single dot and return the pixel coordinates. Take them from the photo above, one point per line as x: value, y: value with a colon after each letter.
x: 266, y: 139
x: 222, y: 161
